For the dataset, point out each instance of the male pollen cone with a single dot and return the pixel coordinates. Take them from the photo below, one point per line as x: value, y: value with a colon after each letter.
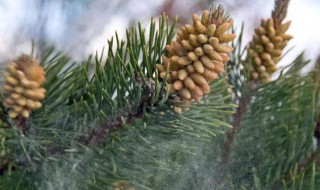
x: 22, y: 88
x: 266, y: 48
x: 197, y: 57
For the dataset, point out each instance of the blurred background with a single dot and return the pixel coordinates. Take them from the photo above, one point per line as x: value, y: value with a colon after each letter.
x: 81, y: 27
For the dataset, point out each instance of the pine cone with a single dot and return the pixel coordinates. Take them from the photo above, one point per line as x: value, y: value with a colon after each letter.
x: 22, y: 88
x: 266, y: 48
x: 197, y: 57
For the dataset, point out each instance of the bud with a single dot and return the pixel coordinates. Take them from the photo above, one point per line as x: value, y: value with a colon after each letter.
x: 198, y: 67
x: 182, y: 74
x: 188, y: 82
x: 224, y: 38
x: 211, y: 29
x: 185, y: 93
x: 222, y: 29
x: 178, y: 85
x: 202, y: 39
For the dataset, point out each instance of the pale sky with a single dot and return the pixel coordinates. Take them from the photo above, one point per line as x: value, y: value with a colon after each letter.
x: 81, y: 29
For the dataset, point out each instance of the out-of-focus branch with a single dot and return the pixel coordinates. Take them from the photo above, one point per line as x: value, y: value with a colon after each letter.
x: 171, y: 9
x: 280, y: 11
x: 237, y: 118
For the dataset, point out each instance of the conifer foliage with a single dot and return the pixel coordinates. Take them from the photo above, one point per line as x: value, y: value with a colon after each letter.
x: 157, y: 110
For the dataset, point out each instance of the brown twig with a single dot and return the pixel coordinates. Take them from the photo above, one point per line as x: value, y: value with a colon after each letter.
x: 237, y: 118
x: 99, y: 133
x: 22, y: 125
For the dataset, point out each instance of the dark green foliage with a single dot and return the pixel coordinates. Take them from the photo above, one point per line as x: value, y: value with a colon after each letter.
x: 273, y: 147
x: 110, y: 119
x: 111, y: 123
x: 281, y: 126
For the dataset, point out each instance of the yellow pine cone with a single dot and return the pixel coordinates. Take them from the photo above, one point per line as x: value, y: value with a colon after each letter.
x: 266, y: 48
x: 197, y: 57
x: 22, y: 89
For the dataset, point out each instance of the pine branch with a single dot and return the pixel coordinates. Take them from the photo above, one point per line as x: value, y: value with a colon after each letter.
x: 243, y: 106
x: 272, y: 129
x: 248, y: 86
x: 119, y: 117
x: 243, y: 90
x: 108, y: 122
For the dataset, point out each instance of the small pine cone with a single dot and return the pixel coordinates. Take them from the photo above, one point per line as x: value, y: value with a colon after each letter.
x: 198, y: 66
x: 178, y: 85
x: 207, y: 62
x: 266, y: 48
x: 197, y: 56
x: 189, y: 83
x: 181, y: 104
x: 196, y: 93
x: 210, y: 75
x: 202, y: 38
x: 190, y: 69
x: 22, y: 88
x: 254, y: 75
x: 177, y: 109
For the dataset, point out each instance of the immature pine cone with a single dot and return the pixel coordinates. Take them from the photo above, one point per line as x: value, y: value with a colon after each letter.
x: 22, y: 88
x: 266, y: 48
x: 197, y: 57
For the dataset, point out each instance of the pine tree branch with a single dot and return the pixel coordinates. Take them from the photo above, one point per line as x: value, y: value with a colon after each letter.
x: 313, y: 158
x: 243, y: 105
x: 99, y: 133
x: 302, y: 167
x: 22, y: 125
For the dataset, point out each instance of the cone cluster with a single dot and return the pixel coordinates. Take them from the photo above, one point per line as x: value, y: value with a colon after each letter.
x: 22, y: 88
x: 266, y: 48
x: 196, y: 58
